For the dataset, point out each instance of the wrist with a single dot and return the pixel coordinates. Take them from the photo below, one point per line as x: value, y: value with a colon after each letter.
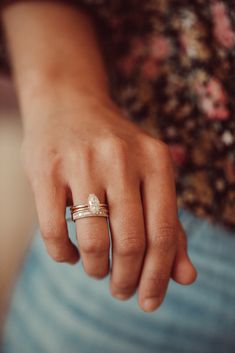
x: 43, y: 93
x: 54, y: 53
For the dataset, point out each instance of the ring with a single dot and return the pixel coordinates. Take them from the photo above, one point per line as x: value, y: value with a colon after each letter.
x: 93, y: 208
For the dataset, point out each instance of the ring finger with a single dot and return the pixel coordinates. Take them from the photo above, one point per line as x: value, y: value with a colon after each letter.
x: 92, y: 232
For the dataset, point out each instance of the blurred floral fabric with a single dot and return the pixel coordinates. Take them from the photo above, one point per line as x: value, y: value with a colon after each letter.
x: 171, y: 65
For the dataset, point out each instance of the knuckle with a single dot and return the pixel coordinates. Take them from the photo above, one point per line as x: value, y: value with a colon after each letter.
x: 119, y: 145
x: 160, y: 150
x: 156, y: 278
x: 117, y: 151
x: 80, y: 156
x: 52, y: 232
x: 94, y: 247
x: 156, y: 283
x: 43, y: 166
x: 96, y: 273
x: 51, y: 166
x: 167, y: 230
x: 164, y: 149
x: 166, y: 161
x: 58, y: 256
x: 156, y: 146
x: 123, y: 287
x: 129, y: 246
x: 165, y: 238
x: 48, y: 236
x: 117, y: 148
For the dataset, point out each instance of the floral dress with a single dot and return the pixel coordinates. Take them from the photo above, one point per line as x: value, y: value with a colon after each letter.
x: 171, y: 65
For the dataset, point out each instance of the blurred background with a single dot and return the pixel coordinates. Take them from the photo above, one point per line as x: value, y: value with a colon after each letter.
x: 17, y: 215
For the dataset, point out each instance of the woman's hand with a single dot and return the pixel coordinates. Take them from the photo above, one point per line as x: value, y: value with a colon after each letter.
x: 93, y: 148
x: 77, y: 142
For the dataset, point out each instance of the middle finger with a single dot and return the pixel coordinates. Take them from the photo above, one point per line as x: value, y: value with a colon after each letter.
x: 128, y: 237
x: 160, y: 206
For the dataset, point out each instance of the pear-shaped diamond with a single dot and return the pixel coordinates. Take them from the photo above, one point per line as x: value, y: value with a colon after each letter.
x: 93, y: 203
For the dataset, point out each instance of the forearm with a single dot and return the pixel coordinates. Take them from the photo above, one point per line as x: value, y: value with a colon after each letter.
x: 54, y: 50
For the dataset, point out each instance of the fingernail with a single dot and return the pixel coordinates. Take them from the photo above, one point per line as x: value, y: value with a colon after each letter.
x: 150, y: 304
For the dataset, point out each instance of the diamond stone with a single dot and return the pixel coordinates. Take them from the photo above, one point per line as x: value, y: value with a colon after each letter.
x: 93, y: 203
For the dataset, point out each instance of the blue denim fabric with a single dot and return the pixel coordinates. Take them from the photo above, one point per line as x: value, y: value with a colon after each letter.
x: 57, y: 308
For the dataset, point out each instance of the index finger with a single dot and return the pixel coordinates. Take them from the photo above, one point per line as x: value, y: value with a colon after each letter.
x: 50, y: 199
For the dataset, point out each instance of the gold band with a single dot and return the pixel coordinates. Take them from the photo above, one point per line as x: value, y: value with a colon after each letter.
x: 86, y: 213
x: 79, y: 207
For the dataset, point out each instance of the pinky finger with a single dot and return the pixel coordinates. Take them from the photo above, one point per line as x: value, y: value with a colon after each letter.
x: 183, y: 271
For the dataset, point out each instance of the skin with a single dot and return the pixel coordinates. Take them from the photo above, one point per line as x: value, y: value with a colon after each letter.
x: 78, y: 141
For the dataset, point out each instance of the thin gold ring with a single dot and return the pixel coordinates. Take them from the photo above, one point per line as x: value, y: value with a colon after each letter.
x: 87, y: 213
x: 79, y: 207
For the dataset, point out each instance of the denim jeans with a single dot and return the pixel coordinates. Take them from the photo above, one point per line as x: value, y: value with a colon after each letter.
x: 57, y: 308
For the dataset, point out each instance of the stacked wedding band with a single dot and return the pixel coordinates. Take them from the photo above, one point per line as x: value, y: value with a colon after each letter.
x: 93, y: 208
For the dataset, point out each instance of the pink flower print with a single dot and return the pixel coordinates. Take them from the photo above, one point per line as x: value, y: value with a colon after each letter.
x: 212, y: 111
x: 150, y: 69
x: 184, y: 41
x: 222, y: 27
x: 199, y: 88
x: 215, y: 90
x: 160, y: 47
x: 190, y: 45
x: 207, y: 106
x: 220, y: 113
x: 212, y: 99
x: 138, y: 46
x: 226, y: 37
x: 178, y: 153
x: 127, y: 64
x: 137, y: 50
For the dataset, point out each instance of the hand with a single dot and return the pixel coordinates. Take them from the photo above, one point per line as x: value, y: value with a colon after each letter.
x: 92, y: 148
x: 76, y: 142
